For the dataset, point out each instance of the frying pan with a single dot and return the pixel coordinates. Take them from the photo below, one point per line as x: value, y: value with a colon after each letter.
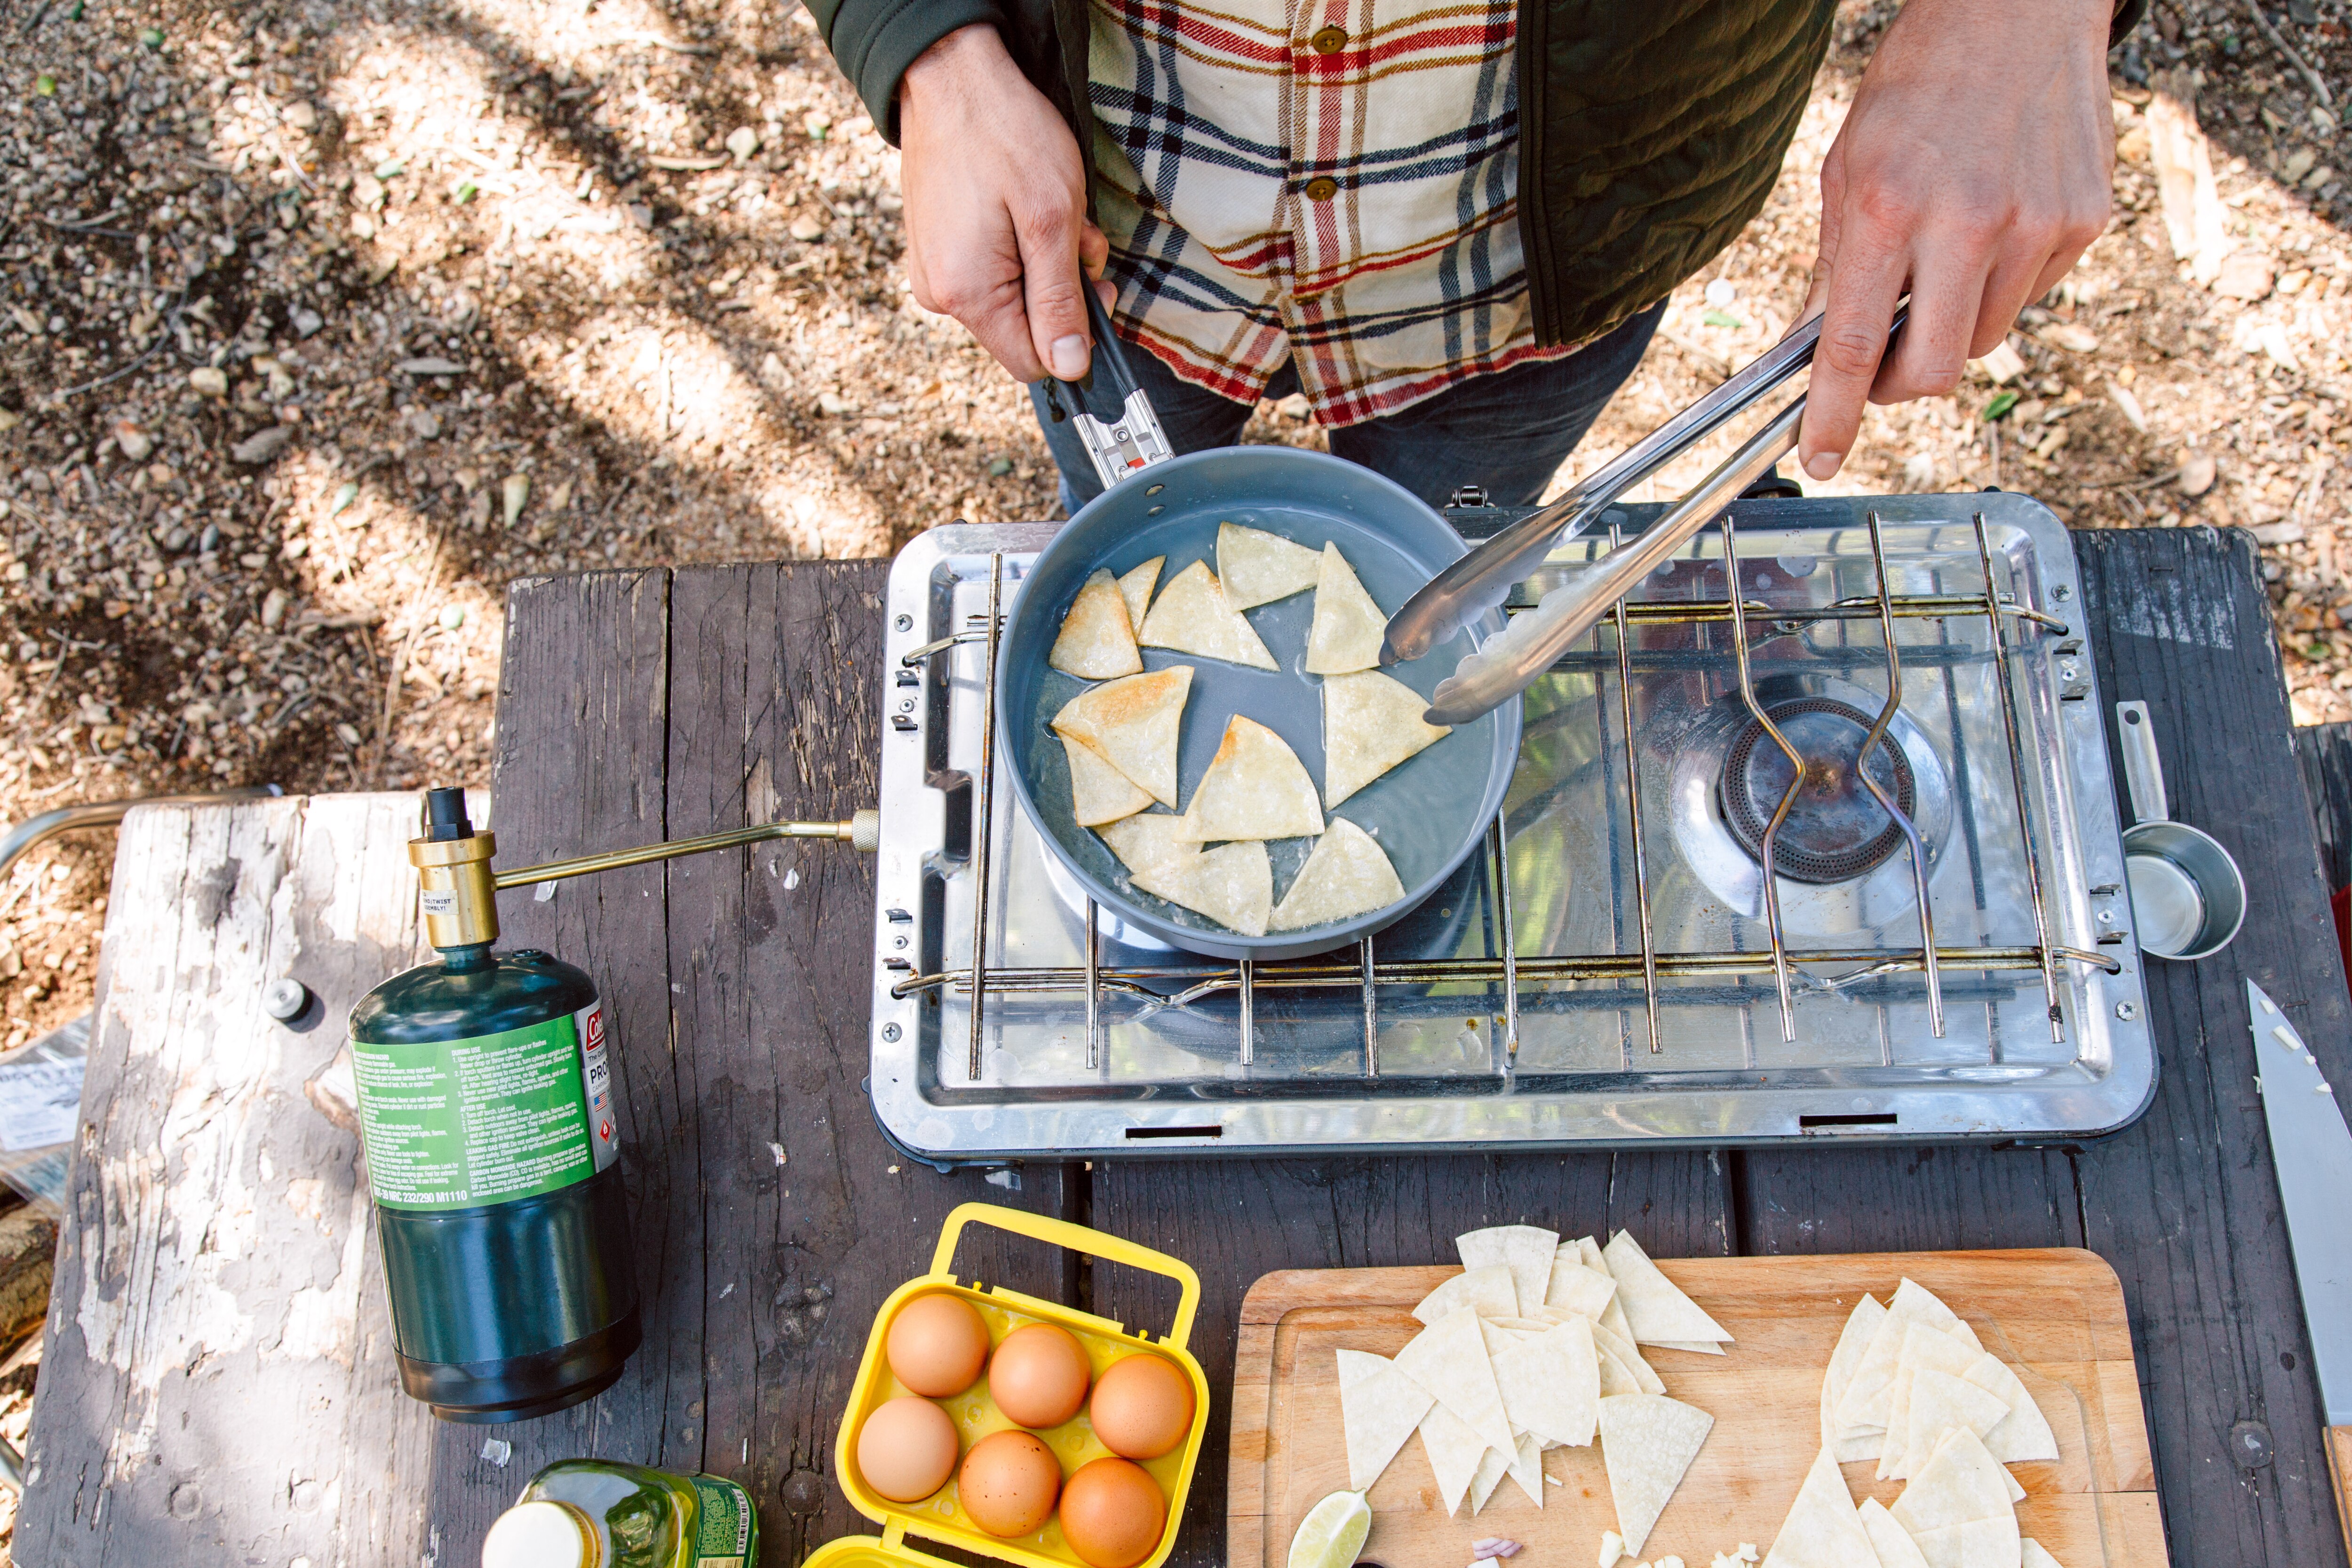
x: 1429, y: 814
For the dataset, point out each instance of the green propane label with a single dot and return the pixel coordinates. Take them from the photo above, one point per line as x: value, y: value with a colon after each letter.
x: 452, y: 1124
x: 722, y: 1531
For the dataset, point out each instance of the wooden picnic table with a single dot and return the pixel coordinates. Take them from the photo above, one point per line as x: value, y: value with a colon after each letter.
x: 179, y: 1419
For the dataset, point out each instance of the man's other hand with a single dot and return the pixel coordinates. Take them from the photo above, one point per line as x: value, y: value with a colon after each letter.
x: 997, y: 203
x: 1972, y: 170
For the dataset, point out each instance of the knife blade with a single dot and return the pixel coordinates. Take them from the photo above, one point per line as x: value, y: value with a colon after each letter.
x: 2312, y: 1148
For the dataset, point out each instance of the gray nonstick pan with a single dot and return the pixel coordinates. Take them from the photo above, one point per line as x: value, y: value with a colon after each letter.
x: 1429, y: 814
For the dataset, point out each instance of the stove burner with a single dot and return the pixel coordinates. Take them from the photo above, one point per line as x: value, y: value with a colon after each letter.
x: 1836, y: 830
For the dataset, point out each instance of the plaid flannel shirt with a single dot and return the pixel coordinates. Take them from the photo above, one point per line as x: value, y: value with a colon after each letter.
x: 1333, y: 181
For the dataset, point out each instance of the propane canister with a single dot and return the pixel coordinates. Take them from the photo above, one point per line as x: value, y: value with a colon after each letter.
x: 485, y: 1088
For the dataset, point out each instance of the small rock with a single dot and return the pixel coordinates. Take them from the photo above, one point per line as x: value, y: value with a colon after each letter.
x: 253, y: 559
x: 808, y: 227
x: 348, y: 734
x: 301, y: 116
x: 2245, y: 275
x: 262, y: 445
x: 833, y: 403
x: 2287, y: 532
x: 209, y: 380
x: 742, y: 142
x: 1294, y: 406
x: 2073, y: 339
x: 452, y: 616
x: 305, y: 320
x: 2198, y: 474
x: 134, y: 443
x: 514, y: 490
x: 1721, y: 294
x: 209, y: 541
x: 430, y: 364
x: 816, y: 123
x: 273, y: 608
x: 368, y: 191
x: 424, y: 424
x: 477, y: 511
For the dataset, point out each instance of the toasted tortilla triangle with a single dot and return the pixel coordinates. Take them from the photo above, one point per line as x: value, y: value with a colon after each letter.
x: 1655, y: 1304
x: 1487, y: 1292
x: 1455, y: 1452
x: 1347, y: 874
x: 1370, y: 724
x: 1256, y: 788
x: 1552, y: 1384
x: 1135, y: 586
x: 1231, y: 884
x: 1348, y: 625
x: 1133, y: 723
x: 1648, y: 1442
x: 1449, y: 1360
x: 1191, y: 616
x: 1258, y: 567
x: 1145, y: 841
x: 1096, y: 641
x: 1379, y: 1408
x: 1961, y: 1484
x: 1822, y: 1529
x: 1100, y: 793
x: 1525, y: 1251
x: 1893, y: 1543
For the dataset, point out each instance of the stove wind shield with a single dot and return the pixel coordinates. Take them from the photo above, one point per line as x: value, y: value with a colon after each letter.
x: 1896, y: 712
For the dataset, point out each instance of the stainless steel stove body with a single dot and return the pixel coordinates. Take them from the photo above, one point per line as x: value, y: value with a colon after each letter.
x: 1615, y: 970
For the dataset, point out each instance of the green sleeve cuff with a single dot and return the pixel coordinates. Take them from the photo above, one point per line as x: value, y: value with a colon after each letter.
x: 874, y: 42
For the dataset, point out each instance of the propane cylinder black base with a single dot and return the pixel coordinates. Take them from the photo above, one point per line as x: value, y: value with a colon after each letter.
x: 517, y: 1388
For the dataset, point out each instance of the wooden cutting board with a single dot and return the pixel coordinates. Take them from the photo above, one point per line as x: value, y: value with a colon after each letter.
x: 2054, y: 1315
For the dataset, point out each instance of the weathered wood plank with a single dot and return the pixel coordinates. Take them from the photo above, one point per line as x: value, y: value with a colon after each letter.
x: 2186, y: 1204
x: 2324, y: 755
x: 1234, y: 1220
x: 217, y: 1383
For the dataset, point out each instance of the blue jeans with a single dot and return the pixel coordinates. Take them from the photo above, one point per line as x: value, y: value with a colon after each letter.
x: 1507, y: 432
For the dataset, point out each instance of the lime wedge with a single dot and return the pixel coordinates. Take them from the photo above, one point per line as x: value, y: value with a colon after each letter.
x: 1332, y: 1533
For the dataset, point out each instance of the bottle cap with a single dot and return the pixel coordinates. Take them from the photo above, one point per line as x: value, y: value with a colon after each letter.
x: 543, y: 1534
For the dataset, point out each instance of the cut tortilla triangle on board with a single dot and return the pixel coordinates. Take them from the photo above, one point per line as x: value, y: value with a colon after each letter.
x: 1347, y: 874
x: 1371, y: 723
x: 1256, y: 788
x: 1871, y: 1391
x: 2031, y: 1553
x: 1612, y: 1317
x: 1449, y: 1360
x: 1893, y: 1543
x: 1191, y: 616
x: 1822, y: 1529
x: 1379, y: 1408
x: 1231, y: 884
x: 1135, y: 587
x: 1488, y: 1291
x: 2025, y: 1435
x: 1349, y: 624
x: 1525, y: 1469
x: 1258, y: 567
x: 1925, y: 1347
x: 1647, y: 1442
x: 1552, y: 1384
x: 1133, y: 723
x: 1628, y: 1357
x: 1860, y: 1325
x: 1455, y: 1453
x: 1525, y: 1251
x: 1584, y: 1291
x: 1655, y: 1304
x: 1980, y: 1543
x: 1097, y: 640
x: 1941, y: 1401
x: 1960, y: 1485
x: 1100, y: 793
x: 1491, y: 1464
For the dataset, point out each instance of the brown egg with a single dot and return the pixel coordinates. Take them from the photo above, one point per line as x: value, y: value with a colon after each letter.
x: 907, y: 1449
x: 1008, y: 1483
x: 1142, y: 1407
x: 1112, y: 1513
x: 1038, y: 1375
x: 937, y: 1345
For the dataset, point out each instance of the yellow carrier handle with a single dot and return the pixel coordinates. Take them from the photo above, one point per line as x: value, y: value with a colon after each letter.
x: 1078, y: 1239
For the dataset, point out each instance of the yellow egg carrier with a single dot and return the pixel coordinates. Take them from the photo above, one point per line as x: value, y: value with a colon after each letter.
x: 941, y: 1516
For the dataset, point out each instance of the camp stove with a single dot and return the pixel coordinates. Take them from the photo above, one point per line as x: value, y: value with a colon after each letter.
x: 1944, y: 952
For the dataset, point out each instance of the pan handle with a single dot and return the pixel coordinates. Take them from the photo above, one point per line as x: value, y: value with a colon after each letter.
x: 2143, y: 764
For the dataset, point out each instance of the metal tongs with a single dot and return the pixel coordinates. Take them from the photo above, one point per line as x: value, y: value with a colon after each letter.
x: 1134, y: 441
x: 1535, y: 639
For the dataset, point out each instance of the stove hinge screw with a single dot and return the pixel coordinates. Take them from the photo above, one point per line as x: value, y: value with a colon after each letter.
x: 2126, y: 1011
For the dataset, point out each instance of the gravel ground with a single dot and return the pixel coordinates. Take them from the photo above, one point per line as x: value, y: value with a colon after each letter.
x: 320, y: 323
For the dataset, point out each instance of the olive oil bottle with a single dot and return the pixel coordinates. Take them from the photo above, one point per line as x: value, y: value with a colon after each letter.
x: 493, y: 1155
x: 599, y: 1513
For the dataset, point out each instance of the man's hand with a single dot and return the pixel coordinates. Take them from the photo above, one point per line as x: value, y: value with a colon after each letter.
x: 1972, y: 170
x: 997, y: 203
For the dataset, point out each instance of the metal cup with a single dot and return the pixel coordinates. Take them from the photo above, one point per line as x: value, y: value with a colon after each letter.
x: 2186, y: 894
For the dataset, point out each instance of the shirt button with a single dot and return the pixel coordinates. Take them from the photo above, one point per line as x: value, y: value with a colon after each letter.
x: 1322, y: 188
x: 1329, y: 40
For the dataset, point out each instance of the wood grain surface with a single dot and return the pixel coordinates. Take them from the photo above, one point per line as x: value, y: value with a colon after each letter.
x: 2057, y: 1316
